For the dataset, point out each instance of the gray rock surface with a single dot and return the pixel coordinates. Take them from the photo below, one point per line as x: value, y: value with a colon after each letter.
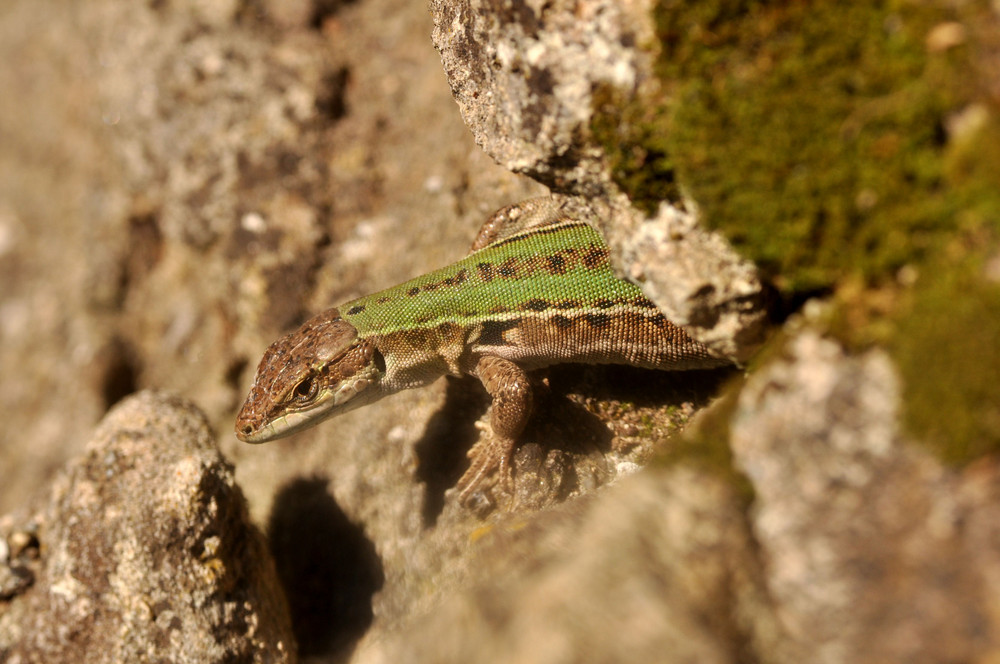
x: 524, y: 75
x: 659, y: 567
x: 874, y: 552
x: 330, y: 163
x: 143, y: 551
x: 655, y: 568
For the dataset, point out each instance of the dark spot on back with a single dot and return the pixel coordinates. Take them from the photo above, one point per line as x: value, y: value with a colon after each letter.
x: 598, y: 320
x: 568, y: 304
x: 556, y: 264
x: 485, y: 271
x: 508, y: 269
x: 413, y: 291
x: 604, y: 303
x: 536, y: 304
x: 492, y: 331
x: 595, y: 257
x: 562, y: 322
x: 356, y: 309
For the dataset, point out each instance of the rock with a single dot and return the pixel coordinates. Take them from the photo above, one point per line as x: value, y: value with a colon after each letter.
x: 874, y: 552
x: 524, y: 76
x: 205, y: 176
x: 656, y: 568
x: 146, y: 553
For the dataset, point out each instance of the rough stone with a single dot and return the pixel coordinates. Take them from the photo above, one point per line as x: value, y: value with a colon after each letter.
x: 874, y: 552
x: 144, y: 552
x: 524, y: 76
x: 655, y: 568
x: 183, y: 181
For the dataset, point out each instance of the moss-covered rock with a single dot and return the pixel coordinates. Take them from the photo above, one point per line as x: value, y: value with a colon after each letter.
x: 631, y: 134
x: 831, y: 139
x: 948, y: 352
x: 849, y: 148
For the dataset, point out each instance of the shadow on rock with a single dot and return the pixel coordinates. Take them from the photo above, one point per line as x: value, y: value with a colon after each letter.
x: 328, y: 567
x: 449, y: 434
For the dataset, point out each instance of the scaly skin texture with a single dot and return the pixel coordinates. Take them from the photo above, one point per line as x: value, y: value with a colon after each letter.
x: 537, y: 290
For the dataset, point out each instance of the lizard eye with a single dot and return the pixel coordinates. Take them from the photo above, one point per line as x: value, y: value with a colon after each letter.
x: 306, y: 390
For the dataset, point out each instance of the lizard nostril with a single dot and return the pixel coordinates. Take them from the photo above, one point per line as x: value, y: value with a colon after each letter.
x: 247, y: 430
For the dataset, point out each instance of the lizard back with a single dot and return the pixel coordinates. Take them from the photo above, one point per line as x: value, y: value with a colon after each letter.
x: 538, y: 297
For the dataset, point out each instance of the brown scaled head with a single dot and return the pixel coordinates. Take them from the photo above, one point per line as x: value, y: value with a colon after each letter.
x: 307, y: 376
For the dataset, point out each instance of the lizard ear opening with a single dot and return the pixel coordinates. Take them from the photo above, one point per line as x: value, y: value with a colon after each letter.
x: 378, y: 359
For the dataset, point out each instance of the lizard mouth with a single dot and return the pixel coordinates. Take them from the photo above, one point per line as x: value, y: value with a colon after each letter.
x: 283, y: 426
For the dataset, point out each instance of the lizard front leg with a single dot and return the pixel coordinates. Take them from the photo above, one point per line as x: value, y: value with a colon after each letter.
x: 510, y: 388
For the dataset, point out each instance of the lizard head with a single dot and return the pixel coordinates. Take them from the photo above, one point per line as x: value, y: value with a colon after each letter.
x: 319, y: 370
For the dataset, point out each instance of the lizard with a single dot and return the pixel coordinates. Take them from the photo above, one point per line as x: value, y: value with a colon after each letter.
x: 536, y: 289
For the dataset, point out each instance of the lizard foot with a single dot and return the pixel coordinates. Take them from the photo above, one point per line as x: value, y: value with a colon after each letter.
x: 492, y: 453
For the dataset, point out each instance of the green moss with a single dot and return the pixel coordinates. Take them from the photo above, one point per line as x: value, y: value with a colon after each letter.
x: 948, y: 353
x: 631, y: 132
x: 647, y: 424
x: 813, y: 134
